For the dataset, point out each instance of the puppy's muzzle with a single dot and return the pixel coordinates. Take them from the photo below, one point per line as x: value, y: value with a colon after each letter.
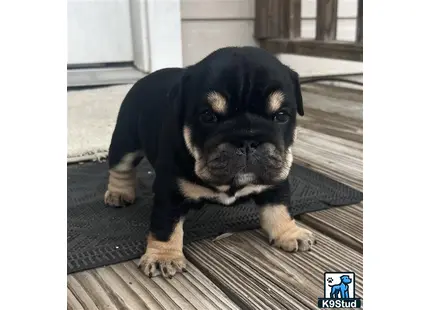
x: 244, y: 161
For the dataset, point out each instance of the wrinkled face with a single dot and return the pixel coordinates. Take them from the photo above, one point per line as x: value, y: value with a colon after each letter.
x: 240, y: 118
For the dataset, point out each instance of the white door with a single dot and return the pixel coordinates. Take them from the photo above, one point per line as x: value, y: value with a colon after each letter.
x: 119, y: 41
x: 99, y: 32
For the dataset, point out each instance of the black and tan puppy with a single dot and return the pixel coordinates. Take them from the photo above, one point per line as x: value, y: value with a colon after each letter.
x: 218, y: 131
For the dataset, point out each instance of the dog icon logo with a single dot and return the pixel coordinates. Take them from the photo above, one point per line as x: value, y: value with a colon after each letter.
x: 339, y: 291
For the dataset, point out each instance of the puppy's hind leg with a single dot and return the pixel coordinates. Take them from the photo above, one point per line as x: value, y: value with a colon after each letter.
x: 123, y: 158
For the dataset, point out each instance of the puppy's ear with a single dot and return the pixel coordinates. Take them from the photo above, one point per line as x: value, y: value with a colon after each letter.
x: 177, y: 94
x: 298, y: 91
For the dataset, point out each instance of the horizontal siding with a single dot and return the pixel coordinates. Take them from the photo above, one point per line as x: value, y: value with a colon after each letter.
x: 199, y: 38
x: 217, y: 9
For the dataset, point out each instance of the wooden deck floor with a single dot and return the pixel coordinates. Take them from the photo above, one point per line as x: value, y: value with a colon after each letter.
x: 242, y: 271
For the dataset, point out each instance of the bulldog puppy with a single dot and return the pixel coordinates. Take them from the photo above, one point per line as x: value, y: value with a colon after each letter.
x: 218, y: 131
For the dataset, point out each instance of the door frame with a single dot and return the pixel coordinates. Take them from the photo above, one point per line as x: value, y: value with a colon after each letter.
x: 157, y: 44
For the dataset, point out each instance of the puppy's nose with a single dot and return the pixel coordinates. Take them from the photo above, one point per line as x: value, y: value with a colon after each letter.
x: 248, y: 147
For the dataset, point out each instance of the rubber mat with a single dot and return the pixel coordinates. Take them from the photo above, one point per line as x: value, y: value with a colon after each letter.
x: 98, y: 235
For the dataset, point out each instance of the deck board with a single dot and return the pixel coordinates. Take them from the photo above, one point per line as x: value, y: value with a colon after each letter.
x: 337, y: 158
x: 261, y: 276
x: 333, y: 111
x: 75, y: 289
x: 124, y: 286
x: 72, y: 302
x: 342, y: 224
x: 334, y: 124
x: 334, y: 103
x: 337, y: 153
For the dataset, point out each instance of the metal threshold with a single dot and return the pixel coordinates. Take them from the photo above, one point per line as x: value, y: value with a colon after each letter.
x: 103, y: 76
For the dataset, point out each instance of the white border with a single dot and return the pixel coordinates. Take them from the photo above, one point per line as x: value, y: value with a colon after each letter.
x: 33, y: 135
x: 396, y: 155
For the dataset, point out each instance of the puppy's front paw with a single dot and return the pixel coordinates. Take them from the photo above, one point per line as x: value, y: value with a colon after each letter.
x: 295, y: 239
x: 118, y: 199
x: 167, y: 263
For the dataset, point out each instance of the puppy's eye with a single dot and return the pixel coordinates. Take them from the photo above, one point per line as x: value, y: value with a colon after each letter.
x: 281, y: 117
x: 208, y: 117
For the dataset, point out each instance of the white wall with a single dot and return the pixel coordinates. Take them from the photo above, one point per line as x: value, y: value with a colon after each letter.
x: 211, y: 24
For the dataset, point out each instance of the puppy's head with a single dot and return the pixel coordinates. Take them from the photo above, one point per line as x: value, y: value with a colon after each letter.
x: 345, y: 279
x: 238, y: 115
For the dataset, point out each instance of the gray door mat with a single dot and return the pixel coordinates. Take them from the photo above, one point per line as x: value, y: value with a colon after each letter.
x: 99, y: 236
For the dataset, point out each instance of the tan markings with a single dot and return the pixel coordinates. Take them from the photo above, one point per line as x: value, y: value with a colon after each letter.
x: 283, y: 230
x: 289, y: 158
x: 288, y: 162
x: 126, y: 162
x: 201, y: 170
x: 251, y: 189
x: 217, y: 102
x: 223, y: 188
x: 167, y: 255
x: 191, y: 148
x: 196, y: 192
x: 295, y: 134
x: 121, y: 189
x: 275, y: 220
x: 275, y: 101
x: 199, y: 165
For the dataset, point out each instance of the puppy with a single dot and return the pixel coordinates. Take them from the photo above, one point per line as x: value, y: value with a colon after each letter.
x: 218, y: 131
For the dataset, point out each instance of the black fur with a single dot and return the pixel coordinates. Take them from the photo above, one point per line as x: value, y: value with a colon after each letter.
x: 156, y: 109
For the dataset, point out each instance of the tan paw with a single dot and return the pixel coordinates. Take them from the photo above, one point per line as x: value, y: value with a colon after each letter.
x: 114, y: 199
x: 167, y: 265
x: 295, y: 239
